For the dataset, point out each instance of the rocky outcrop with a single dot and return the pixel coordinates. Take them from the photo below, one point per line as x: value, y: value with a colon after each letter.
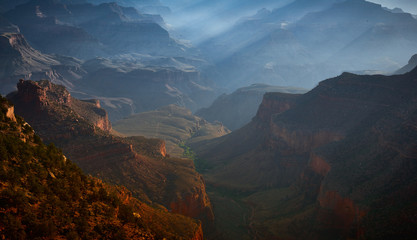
x: 275, y: 103
x: 92, y: 111
x: 43, y: 95
x: 162, y: 149
x: 81, y: 129
x: 196, y: 205
x: 10, y: 113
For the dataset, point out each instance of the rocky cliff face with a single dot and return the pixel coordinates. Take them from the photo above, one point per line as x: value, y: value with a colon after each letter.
x: 191, y: 205
x: 342, y: 151
x: 300, y: 141
x: 86, y: 30
x: 91, y: 110
x: 20, y: 60
x: 157, y: 86
x: 84, y: 206
x: 238, y: 108
x: 182, y: 87
x: 157, y: 80
x: 275, y: 103
x: 81, y: 129
x: 42, y: 95
x: 281, y: 147
x: 39, y: 23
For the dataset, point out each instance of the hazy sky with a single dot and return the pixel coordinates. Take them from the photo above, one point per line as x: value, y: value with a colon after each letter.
x: 407, y: 5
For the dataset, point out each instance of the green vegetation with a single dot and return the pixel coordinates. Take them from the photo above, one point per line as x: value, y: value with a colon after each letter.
x: 43, y: 195
x: 188, y: 153
x: 200, y: 164
x: 137, y: 163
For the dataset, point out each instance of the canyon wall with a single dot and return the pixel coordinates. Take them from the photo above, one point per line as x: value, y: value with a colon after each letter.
x: 81, y: 129
x: 334, y: 163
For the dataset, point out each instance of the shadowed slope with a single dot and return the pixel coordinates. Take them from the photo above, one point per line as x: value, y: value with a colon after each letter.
x: 19, y: 60
x: 45, y: 195
x: 337, y: 163
x: 81, y: 128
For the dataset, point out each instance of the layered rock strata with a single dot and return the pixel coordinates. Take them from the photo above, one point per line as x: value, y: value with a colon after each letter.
x: 81, y: 129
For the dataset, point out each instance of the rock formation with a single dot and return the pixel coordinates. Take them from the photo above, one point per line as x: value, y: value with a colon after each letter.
x: 148, y: 87
x: 86, y: 30
x: 19, y: 60
x: 157, y: 86
x: 338, y: 160
x: 81, y: 129
x: 45, y: 195
x: 238, y: 108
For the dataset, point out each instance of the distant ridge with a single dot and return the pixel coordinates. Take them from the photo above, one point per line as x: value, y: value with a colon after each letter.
x: 21, y: 60
x: 412, y: 63
x: 86, y: 30
x: 238, y: 108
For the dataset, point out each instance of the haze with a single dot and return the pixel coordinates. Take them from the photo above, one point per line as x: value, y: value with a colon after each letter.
x: 406, y: 5
x: 216, y: 119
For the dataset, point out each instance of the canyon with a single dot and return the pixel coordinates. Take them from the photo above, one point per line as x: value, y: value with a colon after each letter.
x: 83, y: 131
x: 154, y: 85
x: 319, y: 165
x: 35, y: 177
x: 127, y: 107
